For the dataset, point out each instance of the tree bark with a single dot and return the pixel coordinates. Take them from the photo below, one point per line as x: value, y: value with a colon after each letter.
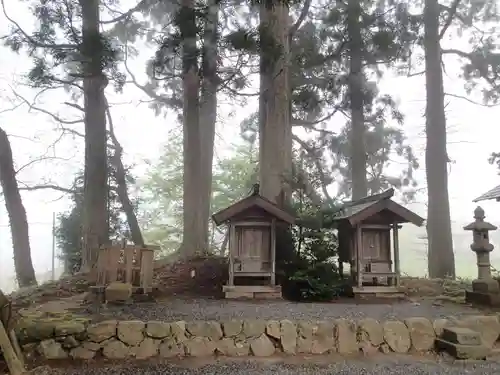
x: 356, y: 81
x: 17, y: 215
x: 275, y: 131
x: 95, y: 211
x: 195, y: 234
x: 441, y: 260
x: 208, y: 111
x: 121, y: 182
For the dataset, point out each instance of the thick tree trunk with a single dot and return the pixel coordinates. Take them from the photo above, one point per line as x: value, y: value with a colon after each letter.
x: 95, y: 211
x: 195, y: 232
x: 17, y: 215
x: 441, y: 260
x: 356, y: 81
x: 208, y: 110
x: 275, y: 131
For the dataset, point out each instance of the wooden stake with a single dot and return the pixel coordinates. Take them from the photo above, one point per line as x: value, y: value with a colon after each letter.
x: 15, y: 365
x: 16, y: 346
x: 395, y: 240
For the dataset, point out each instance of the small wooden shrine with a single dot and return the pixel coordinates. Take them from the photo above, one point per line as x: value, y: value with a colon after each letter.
x: 364, y: 235
x: 252, y: 224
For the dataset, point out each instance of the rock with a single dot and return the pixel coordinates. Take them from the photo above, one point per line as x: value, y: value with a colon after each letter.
x: 115, y: 349
x: 459, y: 351
x: 488, y: 326
x: 178, y: 330
x: 422, y: 334
x: 439, y: 325
x: 69, y: 328
x: 384, y: 348
x: 462, y: 336
x: 70, y: 342
x: 92, y: 346
x: 102, y: 331
x: 232, y: 328
x: 51, y: 349
x: 367, y: 349
x: 396, y: 335
x: 147, y: 348
x: 323, y: 338
x: 370, y: 331
x: 199, y: 346
x: 253, y: 327
x: 288, y: 336
x: 118, y: 292
x: 131, y: 332
x: 232, y: 348
x: 315, y: 337
x: 273, y: 329
x: 262, y: 346
x: 169, y: 348
x: 210, y: 329
x: 82, y: 353
x: 34, y: 331
x: 306, y: 329
x: 158, y: 330
x: 304, y: 345
x: 345, y: 336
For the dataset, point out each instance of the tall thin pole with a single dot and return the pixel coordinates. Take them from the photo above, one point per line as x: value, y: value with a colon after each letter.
x: 53, y: 245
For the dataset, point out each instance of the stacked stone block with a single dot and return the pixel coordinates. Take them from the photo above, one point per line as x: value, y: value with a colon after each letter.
x: 116, y: 340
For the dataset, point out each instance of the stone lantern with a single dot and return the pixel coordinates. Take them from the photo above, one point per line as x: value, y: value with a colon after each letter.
x: 485, y: 290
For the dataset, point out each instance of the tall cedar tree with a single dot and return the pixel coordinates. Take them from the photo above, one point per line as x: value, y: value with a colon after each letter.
x: 69, y: 49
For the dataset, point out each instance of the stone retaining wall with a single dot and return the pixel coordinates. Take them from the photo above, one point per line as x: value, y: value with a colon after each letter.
x: 78, y: 339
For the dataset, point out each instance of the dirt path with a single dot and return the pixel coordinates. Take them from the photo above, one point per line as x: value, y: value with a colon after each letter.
x: 321, y: 365
x: 206, y: 309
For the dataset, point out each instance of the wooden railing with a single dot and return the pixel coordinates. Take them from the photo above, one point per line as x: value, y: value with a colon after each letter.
x: 128, y: 264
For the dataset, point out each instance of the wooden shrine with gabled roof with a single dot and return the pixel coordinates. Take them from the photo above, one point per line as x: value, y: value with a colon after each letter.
x: 252, y: 224
x: 364, y: 235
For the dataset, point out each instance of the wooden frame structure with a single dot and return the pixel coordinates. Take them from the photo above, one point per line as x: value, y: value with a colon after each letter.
x: 129, y: 264
x: 364, y: 234
x: 252, y: 224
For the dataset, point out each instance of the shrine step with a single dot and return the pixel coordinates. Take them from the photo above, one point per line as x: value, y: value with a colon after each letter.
x: 252, y: 291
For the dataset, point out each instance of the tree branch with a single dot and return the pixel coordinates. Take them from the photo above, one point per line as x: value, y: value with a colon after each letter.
x: 54, y: 116
x: 49, y: 186
x: 127, y: 14
x: 34, y: 42
x: 303, y: 14
x: 471, y: 101
x: 452, y: 11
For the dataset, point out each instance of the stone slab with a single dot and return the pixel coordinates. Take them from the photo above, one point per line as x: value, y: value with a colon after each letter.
x: 480, y: 298
x: 272, y: 295
x: 462, y: 336
x: 463, y: 351
x: 237, y: 295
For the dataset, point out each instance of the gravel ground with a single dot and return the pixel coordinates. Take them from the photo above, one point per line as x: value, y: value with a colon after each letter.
x: 177, y: 309
x: 376, y: 366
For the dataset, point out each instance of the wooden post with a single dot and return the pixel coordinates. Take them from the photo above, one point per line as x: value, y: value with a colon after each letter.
x: 16, y: 346
x: 232, y: 238
x: 395, y: 240
x: 273, y: 252
x: 15, y: 365
x: 359, y: 255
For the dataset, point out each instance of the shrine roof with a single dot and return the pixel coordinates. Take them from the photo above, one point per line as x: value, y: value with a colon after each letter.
x: 357, y: 211
x: 254, y: 200
x: 490, y: 194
